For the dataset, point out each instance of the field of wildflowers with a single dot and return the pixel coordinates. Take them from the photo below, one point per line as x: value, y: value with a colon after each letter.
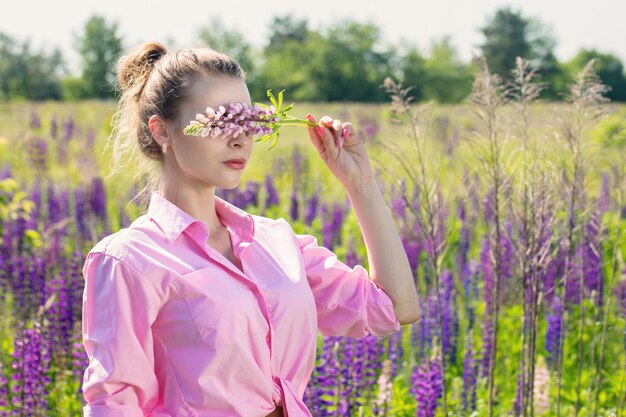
x: 511, y: 212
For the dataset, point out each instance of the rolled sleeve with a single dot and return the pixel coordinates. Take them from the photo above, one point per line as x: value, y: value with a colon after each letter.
x: 348, y: 302
x: 118, y: 311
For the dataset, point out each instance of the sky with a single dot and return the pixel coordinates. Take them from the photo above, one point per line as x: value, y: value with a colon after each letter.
x: 575, y: 24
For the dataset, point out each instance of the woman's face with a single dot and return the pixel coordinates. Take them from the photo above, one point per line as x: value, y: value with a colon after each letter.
x: 202, y: 158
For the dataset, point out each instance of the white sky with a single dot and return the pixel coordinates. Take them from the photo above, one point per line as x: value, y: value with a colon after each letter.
x: 575, y: 24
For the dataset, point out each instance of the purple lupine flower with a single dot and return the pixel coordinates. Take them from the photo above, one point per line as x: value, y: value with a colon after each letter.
x: 428, y: 326
x: 323, y: 383
x: 620, y: 296
x: 31, y: 364
x: 312, y: 209
x: 252, y: 194
x: 470, y: 374
x: 464, y: 240
x: 97, y: 198
x: 374, y: 351
x: 69, y: 129
x: 553, y: 332
x: 487, y: 270
x: 327, y: 229
x: 80, y: 214
x: 293, y: 209
x: 412, y: 249
x: 550, y: 273
x: 592, y: 264
x: 398, y: 207
x: 272, y: 194
x: 60, y: 320
x: 54, y: 208
x: 38, y: 154
x: 448, y: 316
x: 337, y: 222
x: 395, y: 352
x: 572, y: 292
x: 428, y: 382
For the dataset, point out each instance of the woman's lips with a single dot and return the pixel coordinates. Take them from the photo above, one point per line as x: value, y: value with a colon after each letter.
x: 236, y: 165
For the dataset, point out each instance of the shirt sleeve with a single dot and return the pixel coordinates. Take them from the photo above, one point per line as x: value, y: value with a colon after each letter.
x: 348, y: 302
x: 118, y: 310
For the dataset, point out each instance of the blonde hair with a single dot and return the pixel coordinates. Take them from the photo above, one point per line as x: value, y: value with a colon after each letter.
x: 153, y: 80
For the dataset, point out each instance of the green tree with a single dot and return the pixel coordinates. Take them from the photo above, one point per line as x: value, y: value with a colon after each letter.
x: 29, y: 75
x: 100, y: 47
x: 414, y: 72
x: 508, y: 35
x: 448, y: 79
x: 285, y: 29
x: 608, y: 67
x: 349, y: 64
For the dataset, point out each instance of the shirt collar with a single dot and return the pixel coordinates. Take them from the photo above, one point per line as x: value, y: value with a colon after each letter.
x: 173, y: 220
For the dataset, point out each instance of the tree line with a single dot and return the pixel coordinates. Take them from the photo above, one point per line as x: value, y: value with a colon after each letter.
x: 344, y: 61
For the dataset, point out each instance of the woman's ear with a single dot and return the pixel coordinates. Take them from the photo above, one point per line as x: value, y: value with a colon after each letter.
x: 158, y: 129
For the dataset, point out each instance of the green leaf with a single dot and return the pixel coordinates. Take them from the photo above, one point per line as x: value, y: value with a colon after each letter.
x: 272, y: 99
x: 280, y: 99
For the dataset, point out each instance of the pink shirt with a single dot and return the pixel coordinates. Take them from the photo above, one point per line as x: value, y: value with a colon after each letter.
x: 172, y: 328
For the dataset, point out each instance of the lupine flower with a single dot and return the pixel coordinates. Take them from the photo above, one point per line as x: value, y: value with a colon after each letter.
x: 553, y: 332
x: 620, y: 295
x: 383, y: 400
x: 30, y: 371
x: 272, y: 194
x: 592, y: 265
x: 69, y: 129
x: 240, y: 118
x: 311, y: 209
x: 321, y: 390
x: 470, y: 373
x: 427, y: 386
x: 293, y: 209
x: 450, y: 324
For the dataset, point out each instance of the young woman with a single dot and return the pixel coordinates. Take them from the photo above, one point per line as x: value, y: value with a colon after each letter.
x: 199, y: 308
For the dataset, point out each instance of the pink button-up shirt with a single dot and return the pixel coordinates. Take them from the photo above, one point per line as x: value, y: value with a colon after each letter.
x: 172, y: 328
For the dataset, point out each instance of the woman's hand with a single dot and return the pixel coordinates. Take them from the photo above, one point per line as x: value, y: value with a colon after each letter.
x: 339, y: 148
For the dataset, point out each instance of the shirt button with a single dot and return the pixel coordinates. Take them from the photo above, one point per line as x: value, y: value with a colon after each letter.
x: 267, y: 338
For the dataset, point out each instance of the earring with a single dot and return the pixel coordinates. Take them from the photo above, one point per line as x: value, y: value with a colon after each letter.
x: 164, y: 147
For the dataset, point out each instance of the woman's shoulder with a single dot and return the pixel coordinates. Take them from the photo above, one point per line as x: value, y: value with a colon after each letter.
x: 123, y: 244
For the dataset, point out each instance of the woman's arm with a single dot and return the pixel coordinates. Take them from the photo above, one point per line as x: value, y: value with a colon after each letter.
x: 388, y: 263
x: 346, y: 157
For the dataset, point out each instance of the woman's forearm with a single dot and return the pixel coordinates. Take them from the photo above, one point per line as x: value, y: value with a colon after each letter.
x: 388, y: 263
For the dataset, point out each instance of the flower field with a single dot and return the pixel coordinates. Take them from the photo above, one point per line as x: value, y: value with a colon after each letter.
x: 512, y: 214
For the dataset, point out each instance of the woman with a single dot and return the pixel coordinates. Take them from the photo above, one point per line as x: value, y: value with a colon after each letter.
x: 199, y: 308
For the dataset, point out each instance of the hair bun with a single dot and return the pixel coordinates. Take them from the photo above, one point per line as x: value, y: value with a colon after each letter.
x: 135, y: 67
